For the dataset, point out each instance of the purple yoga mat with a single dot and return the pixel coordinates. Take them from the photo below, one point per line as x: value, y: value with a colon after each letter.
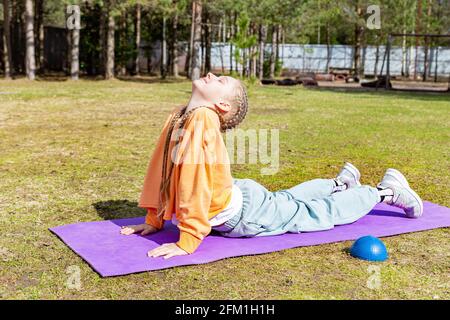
x: 112, y: 254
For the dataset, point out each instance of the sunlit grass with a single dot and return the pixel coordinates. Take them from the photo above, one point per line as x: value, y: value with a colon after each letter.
x: 78, y: 151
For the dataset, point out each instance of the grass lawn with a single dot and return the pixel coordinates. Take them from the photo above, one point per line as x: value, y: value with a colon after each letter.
x: 78, y: 151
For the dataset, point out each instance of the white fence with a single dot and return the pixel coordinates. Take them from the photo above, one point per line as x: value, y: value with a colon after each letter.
x: 313, y: 58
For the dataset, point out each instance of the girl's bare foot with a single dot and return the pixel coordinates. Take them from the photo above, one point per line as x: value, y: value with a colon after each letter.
x: 144, y: 229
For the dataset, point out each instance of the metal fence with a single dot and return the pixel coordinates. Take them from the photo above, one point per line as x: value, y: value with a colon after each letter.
x: 315, y: 58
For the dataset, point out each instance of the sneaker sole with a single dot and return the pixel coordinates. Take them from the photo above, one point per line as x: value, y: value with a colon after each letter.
x: 400, y: 178
x: 354, y: 171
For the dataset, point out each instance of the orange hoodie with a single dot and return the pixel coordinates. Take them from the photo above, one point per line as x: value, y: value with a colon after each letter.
x: 201, y: 182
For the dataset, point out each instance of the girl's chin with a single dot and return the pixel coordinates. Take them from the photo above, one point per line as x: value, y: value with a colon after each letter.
x: 197, y: 83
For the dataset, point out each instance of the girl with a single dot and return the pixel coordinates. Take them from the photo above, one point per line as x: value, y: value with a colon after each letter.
x: 189, y: 182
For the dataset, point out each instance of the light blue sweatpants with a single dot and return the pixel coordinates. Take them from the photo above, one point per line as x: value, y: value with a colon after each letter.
x: 309, y: 206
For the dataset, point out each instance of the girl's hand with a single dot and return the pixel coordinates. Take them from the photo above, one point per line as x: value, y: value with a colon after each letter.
x: 167, y: 250
x: 144, y: 229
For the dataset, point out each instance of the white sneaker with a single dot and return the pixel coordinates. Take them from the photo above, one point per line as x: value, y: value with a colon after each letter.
x: 404, y: 197
x: 349, y: 175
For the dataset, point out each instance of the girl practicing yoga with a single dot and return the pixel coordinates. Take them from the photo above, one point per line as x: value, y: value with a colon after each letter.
x: 189, y: 182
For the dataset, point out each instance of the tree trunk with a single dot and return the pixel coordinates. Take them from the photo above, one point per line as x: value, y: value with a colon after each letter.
x: 137, y: 29
x: 123, y: 35
x: 272, y: 53
x: 188, y: 64
x: 377, y: 58
x: 418, y: 27
x: 109, y: 72
x: 208, y: 45
x: 163, y: 69
x: 404, y: 72
x: 425, y: 59
x: 30, y: 61
x: 222, y: 41
x: 427, y: 42
x: 231, y: 45
x: 175, y: 46
x: 277, y: 51
x: 262, y: 38
x: 102, y: 41
x: 328, y: 39
x: 195, y: 59
x: 318, y: 23
x: 357, y: 47
x: 39, y: 27
x: 67, y: 65
x: 202, y: 50
x: 253, y: 60
x: 7, y: 60
x: 357, y: 53
x: 283, y: 42
x: 41, y: 46
x: 253, y: 53
x: 16, y: 23
x: 75, y: 53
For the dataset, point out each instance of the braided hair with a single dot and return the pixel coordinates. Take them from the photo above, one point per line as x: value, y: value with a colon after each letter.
x: 229, y: 121
x: 239, y: 103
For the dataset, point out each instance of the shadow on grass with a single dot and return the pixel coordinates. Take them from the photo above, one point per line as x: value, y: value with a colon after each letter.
x: 404, y: 94
x: 61, y: 77
x: 150, y: 80
x: 347, y: 250
x: 118, y: 209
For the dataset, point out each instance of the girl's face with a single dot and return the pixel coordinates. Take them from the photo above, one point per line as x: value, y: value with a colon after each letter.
x: 214, y: 89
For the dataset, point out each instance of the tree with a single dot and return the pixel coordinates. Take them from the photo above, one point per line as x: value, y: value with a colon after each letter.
x: 74, y: 27
x: 109, y: 69
x: 164, y: 49
x: 30, y: 62
x: 39, y: 31
x: 418, y: 31
x: 103, y: 30
x: 359, y: 33
x: 243, y: 41
x: 138, y: 38
x: 174, y: 45
x: 273, y: 51
x: 260, y: 12
x: 207, y: 41
x: 197, y: 34
x: 329, y: 16
x: 122, y: 49
x: 261, y: 40
x: 7, y: 61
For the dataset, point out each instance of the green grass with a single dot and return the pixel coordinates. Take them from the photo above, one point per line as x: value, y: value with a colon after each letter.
x: 78, y: 151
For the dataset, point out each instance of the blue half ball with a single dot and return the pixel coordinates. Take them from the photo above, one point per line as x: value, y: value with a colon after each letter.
x: 369, y: 248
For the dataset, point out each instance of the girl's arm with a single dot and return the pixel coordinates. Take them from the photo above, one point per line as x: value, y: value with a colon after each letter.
x: 150, y: 193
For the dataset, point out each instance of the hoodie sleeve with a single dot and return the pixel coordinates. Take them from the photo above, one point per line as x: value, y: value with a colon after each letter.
x: 196, y: 178
x: 152, y: 219
x: 149, y: 198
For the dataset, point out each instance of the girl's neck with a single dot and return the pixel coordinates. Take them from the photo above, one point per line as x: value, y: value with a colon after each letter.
x: 195, y: 102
